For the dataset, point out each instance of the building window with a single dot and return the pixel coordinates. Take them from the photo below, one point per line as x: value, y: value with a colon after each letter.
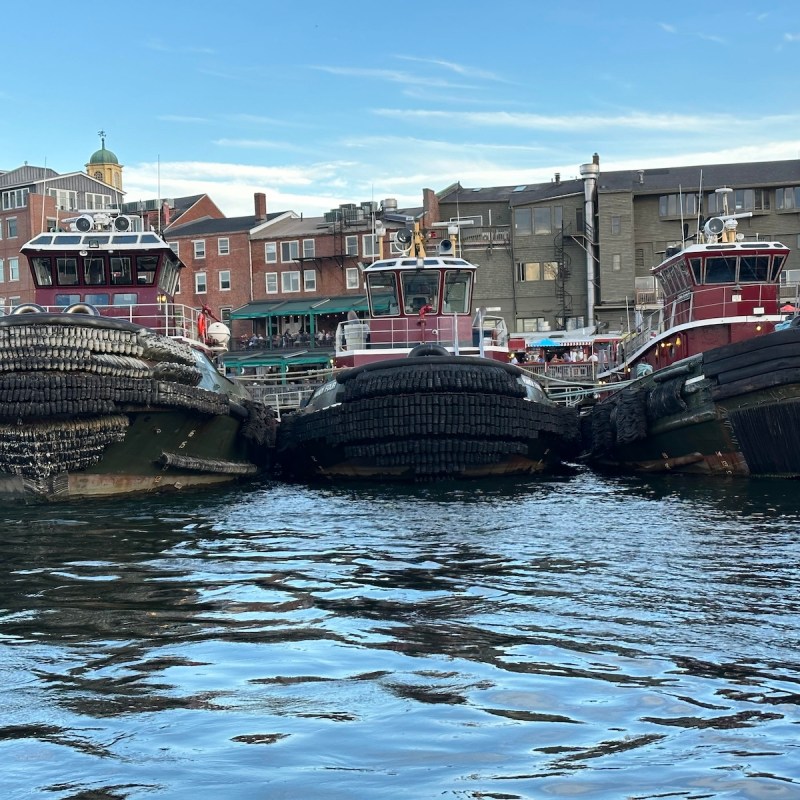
x: 523, y: 225
x: 14, y: 198
x: 616, y: 262
x: 272, y: 282
x: 530, y: 324
x: 200, y: 285
x: 223, y: 246
x: 290, y: 251
x: 13, y: 269
x: 351, y: 245
x: 65, y: 200
x: 673, y: 205
x: 225, y: 280
x: 352, y: 276
x: 369, y: 245
x: 96, y: 202
x: 11, y: 228
x: 308, y: 248
x: 616, y: 226
x: 290, y: 281
x: 199, y: 248
x: 536, y: 271
x: 2, y: 271
x: 787, y: 199
x: 309, y: 280
x: 271, y: 252
x: 541, y: 220
x: 175, y: 247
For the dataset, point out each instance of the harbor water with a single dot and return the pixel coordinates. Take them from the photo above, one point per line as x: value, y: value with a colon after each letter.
x: 582, y: 636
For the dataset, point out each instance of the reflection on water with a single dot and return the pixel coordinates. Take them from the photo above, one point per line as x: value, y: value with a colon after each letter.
x: 581, y: 636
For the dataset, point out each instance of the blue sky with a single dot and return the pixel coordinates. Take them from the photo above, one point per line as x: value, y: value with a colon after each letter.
x: 320, y: 103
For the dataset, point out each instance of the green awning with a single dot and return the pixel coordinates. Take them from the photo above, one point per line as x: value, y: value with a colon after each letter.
x: 273, y: 358
x: 264, y: 309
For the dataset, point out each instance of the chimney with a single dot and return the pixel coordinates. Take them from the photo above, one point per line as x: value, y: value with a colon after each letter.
x: 430, y: 204
x: 261, y: 206
x: 596, y: 159
x: 164, y: 214
x: 558, y: 178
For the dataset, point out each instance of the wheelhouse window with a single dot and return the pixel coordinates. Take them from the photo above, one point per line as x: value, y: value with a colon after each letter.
x: 383, y: 296
x: 169, y: 280
x: 125, y: 299
x: 420, y: 289
x: 121, y: 272
x: 753, y: 269
x: 721, y: 269
x: 97, y: 299
x: 457, y: 292
x: 777, y: 266
x: 146, y: 267
x: 41, y: 271
x: 67, y: 271
x: 94, y: 270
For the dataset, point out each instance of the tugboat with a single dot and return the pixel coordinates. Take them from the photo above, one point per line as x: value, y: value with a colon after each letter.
x: 425, y: 389
x: 107, y: 385
x: 716, y: 388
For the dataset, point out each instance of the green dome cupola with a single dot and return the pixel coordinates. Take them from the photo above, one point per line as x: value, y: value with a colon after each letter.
x: 104, y: 165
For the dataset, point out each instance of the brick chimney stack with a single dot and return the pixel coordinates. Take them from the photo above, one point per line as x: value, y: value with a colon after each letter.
x: 430, y: 204
x: 261, y: 206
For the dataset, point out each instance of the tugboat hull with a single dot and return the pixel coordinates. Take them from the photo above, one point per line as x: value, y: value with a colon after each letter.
x: 425, y: 418
x: 734, y: 410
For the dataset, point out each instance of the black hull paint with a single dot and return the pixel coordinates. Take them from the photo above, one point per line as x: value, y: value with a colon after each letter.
x: 91, y: 406
x: 734, y: 410
x: 427, y: 417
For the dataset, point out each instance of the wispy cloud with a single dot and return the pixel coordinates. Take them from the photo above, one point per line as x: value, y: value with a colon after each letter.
x: 460, y: 69
x: 183, y: 119
x: 791, y: 37
x: 161, y: 46
x: 257, y: 144
x: 708, y: 37
x: 581, y: 123
x: 392, y: 76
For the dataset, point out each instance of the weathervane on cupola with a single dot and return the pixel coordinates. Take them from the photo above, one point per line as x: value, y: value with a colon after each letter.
x: 104, y: 166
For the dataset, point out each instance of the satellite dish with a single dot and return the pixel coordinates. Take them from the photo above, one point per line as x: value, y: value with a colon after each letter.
x: 121, y: 224
x: 404, y: 236
x: 84, y: 223
x: 714, y: 226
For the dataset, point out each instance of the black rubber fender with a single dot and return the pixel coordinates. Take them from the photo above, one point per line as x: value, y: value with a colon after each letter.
x: 428, y: 349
